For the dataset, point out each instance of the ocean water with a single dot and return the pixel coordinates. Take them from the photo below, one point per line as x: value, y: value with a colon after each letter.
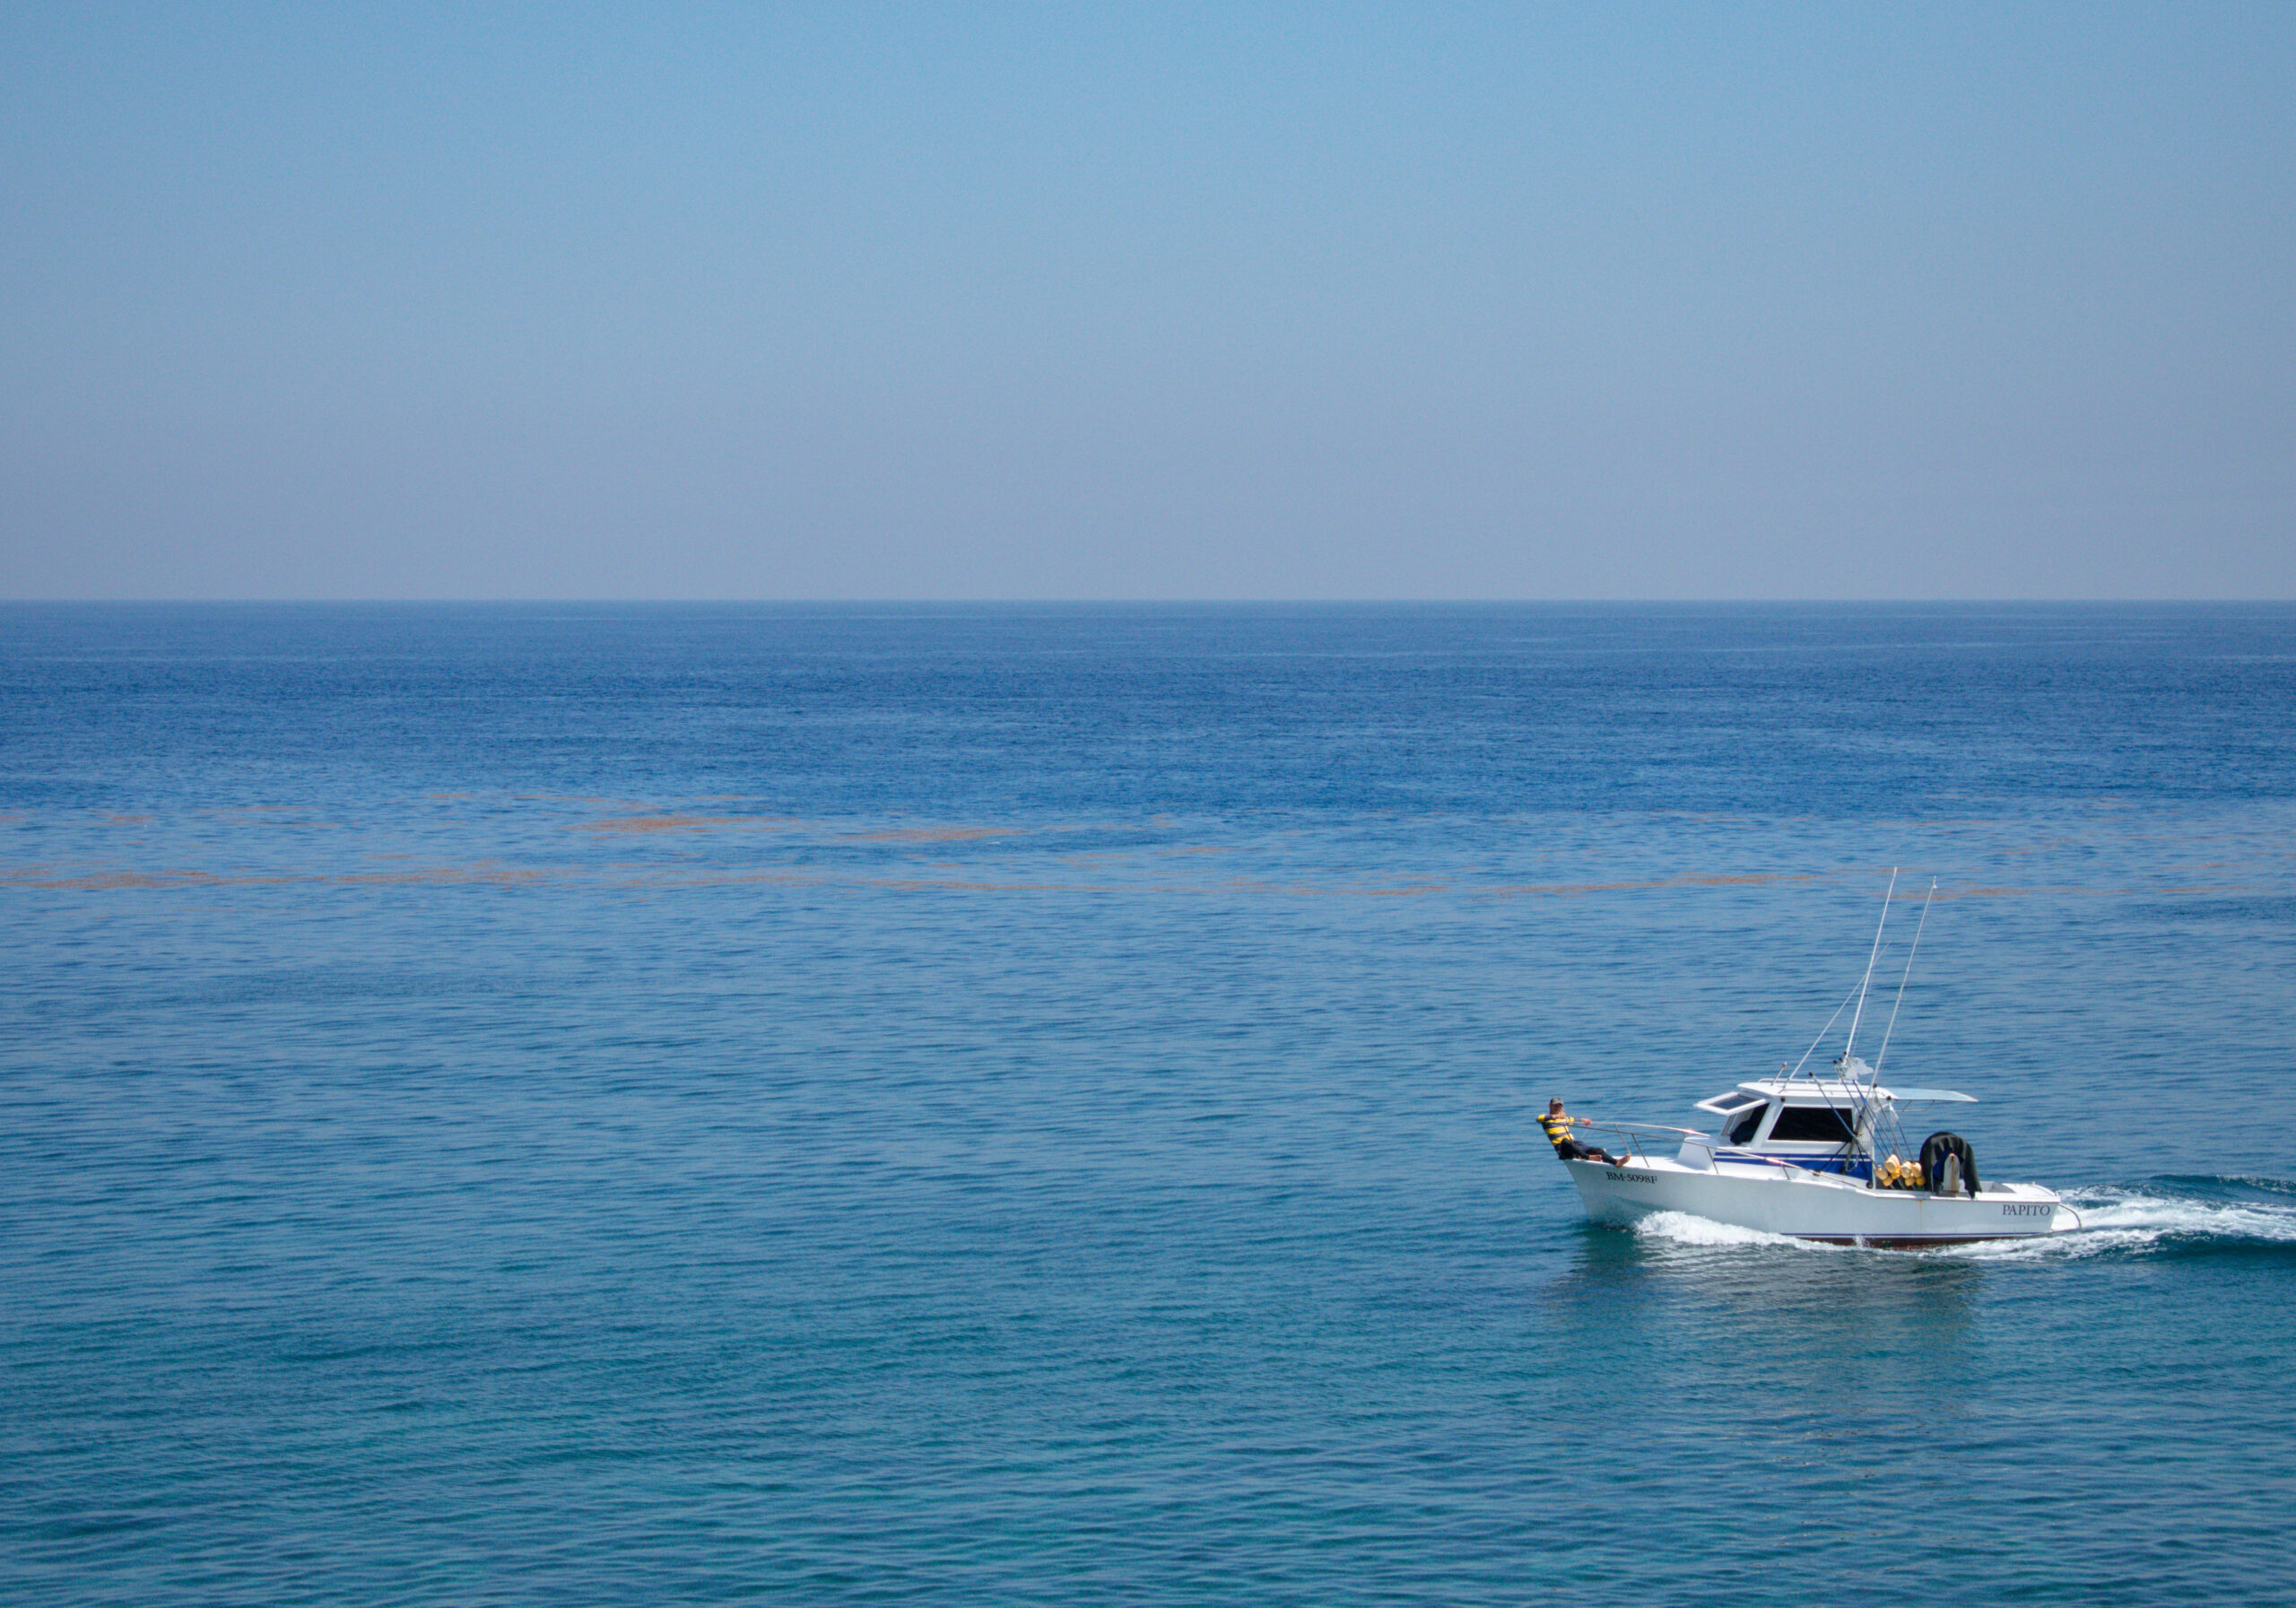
x: 1032, y: 1105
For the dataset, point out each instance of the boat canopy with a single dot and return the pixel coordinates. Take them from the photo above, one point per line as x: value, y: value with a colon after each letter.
x: 1827, y: 1091
x: 1811, y: 1091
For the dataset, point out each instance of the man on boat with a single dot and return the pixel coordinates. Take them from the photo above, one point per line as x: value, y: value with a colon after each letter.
x: 1558, y: 1124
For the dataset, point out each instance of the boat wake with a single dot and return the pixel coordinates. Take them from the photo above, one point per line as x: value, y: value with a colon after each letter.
x: 2185, y: 1216
x: 2177, y: 1216
x: 1682, y: 1228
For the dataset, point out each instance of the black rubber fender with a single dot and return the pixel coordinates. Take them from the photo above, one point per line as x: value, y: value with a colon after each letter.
x: 1934, y: 1151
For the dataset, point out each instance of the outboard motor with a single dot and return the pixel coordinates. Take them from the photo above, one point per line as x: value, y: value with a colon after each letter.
x: 1941, y: 1150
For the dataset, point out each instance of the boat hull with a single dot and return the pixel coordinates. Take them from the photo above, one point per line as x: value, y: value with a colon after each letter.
x: 1803, y: 1205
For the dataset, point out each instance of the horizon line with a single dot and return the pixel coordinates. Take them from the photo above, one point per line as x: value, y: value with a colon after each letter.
x: 1138, y: 602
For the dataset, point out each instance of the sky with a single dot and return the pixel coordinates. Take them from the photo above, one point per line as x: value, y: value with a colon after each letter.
x: 1220, y: 302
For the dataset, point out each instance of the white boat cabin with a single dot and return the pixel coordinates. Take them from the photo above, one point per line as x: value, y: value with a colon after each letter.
x: 1822, y: 1125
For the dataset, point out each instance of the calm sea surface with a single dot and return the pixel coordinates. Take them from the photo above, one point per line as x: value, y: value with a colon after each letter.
x: 1001, y: 1105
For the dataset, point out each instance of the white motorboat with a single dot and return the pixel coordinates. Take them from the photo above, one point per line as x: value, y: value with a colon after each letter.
x: 1803, y: 1156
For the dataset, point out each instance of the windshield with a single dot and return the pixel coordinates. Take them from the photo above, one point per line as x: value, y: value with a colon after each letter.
x: 1811, y: 1125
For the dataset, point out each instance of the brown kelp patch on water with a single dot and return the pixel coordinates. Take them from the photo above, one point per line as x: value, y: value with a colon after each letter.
x: 626, y: 844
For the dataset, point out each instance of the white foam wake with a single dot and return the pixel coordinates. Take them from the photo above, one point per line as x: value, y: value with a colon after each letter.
x: 2110, y: 1220
x: 2156, y: 1216
x: 1684, y: 1229
x: 2122, y: 1220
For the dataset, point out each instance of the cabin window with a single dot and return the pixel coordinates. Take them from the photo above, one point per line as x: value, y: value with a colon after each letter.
x: 1743, y: 1129
x: 1811, y: 1125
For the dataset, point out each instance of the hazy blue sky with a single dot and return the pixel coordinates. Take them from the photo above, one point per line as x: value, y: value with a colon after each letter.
x: 1096, y: 302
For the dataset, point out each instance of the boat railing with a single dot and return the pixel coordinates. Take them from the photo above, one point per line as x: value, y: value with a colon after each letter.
x: 1630, y: 1132
x: 1630, y: 1135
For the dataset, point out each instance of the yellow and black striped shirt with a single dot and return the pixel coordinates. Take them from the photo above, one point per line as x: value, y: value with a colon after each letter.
x: 1558, y: 1129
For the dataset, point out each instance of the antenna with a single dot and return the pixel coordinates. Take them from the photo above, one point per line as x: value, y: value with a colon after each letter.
x: 1909, y: 972
x: 1869, y: 973
x: 1823, y: 1031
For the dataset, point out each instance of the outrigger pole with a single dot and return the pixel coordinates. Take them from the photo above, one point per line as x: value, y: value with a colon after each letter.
x: 1869, y: 973
x: 1910, y: 952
